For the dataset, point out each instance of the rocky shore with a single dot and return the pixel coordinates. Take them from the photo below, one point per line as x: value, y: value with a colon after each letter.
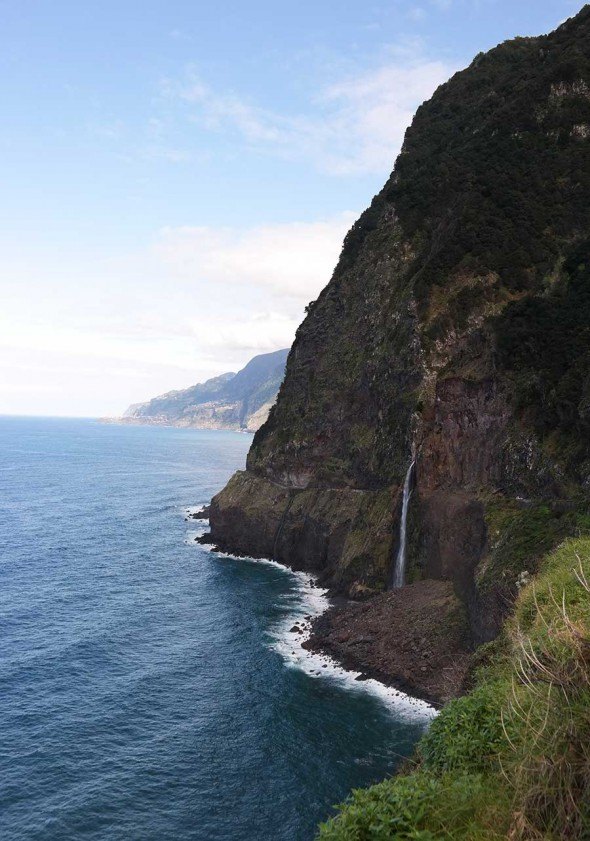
x: 415, y: 638
x: 201, y: 514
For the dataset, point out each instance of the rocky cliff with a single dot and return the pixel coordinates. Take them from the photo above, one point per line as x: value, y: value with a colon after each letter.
x: 454, y: 330
x: 239, y: 401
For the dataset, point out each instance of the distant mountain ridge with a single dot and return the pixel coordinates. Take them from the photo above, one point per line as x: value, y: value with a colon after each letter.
x: 239, y: 401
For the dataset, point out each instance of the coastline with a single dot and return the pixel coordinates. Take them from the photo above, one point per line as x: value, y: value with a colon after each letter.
x: 122, y: 421
x: 415, y: 638
x: 298, y: 638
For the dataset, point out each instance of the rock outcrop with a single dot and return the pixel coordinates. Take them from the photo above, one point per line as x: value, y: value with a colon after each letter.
x: 416, y: 638
x: 454, y: 330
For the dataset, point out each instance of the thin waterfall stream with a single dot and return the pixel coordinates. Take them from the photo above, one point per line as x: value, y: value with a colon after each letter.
x: 399, y: 571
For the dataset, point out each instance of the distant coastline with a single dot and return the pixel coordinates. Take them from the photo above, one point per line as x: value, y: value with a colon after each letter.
x: 123, y: 421
x: 240, y: 402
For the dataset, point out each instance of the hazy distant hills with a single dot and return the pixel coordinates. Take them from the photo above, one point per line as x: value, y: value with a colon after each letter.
x: 239, y: 401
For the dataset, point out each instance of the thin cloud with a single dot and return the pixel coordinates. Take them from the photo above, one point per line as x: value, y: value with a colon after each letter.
x: 259, y: 332
x: 194, y: 302
x: 355, y: 126
x: 293, y: 260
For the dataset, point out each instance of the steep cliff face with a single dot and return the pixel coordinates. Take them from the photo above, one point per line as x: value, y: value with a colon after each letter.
x: 454, y: 327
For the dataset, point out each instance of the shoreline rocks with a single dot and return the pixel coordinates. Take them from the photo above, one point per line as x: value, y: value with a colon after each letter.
x: 201, y: 514
x: 415, y: 638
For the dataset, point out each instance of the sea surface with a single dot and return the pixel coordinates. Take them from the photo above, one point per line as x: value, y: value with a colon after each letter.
x: 149, y: 688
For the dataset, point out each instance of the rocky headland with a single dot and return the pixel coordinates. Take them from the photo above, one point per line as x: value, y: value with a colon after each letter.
x: 452, y: 333
x: 449, y: 354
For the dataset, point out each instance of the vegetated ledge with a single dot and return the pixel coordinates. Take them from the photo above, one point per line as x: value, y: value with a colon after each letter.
x: 415, y: 638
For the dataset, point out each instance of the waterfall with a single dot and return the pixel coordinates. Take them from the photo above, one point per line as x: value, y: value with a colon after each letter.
x: 399, y: 571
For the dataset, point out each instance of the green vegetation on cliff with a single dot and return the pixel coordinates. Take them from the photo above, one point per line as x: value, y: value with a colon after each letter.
x: 494, y: 173
x: 511, y: 759
x: 454, y: 330
x: 492, y: 195
x: 488, y: 200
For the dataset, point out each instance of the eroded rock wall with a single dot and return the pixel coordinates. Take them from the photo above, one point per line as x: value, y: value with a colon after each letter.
x: 415, y: 347
x: 345, y: 534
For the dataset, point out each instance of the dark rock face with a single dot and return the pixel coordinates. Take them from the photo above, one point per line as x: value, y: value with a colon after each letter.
x: 343, y: 533
x: 462, y: 445
x: 416, y: 639
x: 426, y: 340
x: 454, y: 536
x: 245, y: 518
x: 343, y: 415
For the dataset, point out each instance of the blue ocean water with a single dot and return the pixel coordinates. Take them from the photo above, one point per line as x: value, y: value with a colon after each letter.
x: 143, y: 689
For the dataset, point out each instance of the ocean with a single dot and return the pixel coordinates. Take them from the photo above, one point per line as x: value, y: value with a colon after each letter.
x: 151, y: 689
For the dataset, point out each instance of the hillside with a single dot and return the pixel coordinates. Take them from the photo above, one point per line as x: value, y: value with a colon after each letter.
x: 231, y: 401
x: 454, y: 328
x: 437, y: 399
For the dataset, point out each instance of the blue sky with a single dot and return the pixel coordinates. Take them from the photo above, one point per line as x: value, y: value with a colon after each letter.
x: 178, y: 176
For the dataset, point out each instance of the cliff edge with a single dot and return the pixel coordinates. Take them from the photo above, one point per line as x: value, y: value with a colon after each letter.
x: 453, y: 333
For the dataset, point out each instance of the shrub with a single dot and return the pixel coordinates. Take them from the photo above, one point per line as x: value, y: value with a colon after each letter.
x: 512, y: 758
x: 468, y: 733
x: 422, y: 807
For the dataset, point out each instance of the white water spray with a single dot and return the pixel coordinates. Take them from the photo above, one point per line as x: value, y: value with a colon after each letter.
x: 399, y: 571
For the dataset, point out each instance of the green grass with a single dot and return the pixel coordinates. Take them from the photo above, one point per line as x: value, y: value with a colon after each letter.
x: 511, y: 759
x: 421, y: 807
x: 520, y: 537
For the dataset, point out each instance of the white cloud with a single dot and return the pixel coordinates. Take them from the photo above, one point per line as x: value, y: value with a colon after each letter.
x: 101, y: 331
x: 195, y: 302
x: 354, y: 126
x: 293, y: 259
x: 258, y: 332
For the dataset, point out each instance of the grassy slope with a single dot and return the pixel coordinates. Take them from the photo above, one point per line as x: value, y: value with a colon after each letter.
x: 512, y: 758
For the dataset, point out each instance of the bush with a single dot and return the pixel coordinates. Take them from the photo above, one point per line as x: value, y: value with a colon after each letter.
x: 468, y: 734
x: 422, y: 807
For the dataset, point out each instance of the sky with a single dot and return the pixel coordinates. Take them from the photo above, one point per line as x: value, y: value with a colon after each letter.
x: 178, y: 176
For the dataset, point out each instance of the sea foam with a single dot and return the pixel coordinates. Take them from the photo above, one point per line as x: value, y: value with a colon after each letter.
x: 311, y: 601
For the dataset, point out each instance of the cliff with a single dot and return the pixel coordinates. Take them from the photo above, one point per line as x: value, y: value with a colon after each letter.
x: 454, y: 331
x: 239, y: 401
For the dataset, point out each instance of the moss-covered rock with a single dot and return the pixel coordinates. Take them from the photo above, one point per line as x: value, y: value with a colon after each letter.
x: 343, y: 533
